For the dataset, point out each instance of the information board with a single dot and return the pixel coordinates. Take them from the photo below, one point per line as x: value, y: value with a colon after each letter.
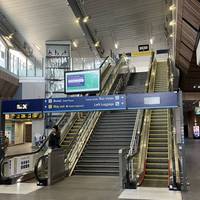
x: 22, y: 106
x: 87, y: 103
x: 152, y: 100
x: 82, y: 81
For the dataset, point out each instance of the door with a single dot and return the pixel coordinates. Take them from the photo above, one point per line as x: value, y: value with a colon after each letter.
x: 28, y: 133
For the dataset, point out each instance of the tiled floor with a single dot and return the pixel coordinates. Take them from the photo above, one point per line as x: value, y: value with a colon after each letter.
x: 73, y: 188
x: 100, y: 188
x: 18, y: 149
x: 149, y: 193
x: 19, y: 188
x: 193, y: 169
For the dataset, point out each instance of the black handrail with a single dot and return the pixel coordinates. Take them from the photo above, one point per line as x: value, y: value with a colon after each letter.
x: 34, y: 152
x: 21, y: 154
x: 103, y: 62
x: 41, y: 180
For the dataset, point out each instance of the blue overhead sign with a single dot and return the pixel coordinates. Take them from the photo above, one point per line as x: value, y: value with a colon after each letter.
x: 152, y: 100
x: 87, y: 103
x: 22, y: 106
x: 92, y: 103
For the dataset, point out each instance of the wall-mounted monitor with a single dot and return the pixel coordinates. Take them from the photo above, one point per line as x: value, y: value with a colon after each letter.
x: 82, y: 81
x: 197, y: 110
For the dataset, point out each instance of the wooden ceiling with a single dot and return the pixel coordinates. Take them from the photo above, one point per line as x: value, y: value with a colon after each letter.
x: 188, y: 30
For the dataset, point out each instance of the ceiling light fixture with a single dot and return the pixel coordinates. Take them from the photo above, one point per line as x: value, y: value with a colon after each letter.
x: 75, y: 44
x: 10, y: 36
x: 116, y: 45
x: 37, y: 46
x: 97, y: 44
x: 86, y: 19
x: 151, y: 41
x: 77, y: 20
x: 172, y: 7
x: 172, y: 23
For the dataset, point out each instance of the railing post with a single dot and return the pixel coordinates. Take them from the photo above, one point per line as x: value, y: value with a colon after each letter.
x: 180, y: 141
x: 122, y: 168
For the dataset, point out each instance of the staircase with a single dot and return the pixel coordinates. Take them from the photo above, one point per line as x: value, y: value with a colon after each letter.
x: 72, y: 132
x: 113, y: 132
x: 156, y: 174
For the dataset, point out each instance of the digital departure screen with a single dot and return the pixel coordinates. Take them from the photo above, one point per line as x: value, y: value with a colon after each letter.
x: 82, y: 81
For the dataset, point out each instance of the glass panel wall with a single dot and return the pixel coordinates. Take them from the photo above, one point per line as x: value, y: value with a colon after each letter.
x: 20, y: 65
x: 30, y: 68
x: 2, y: 55
x: 17, y: 63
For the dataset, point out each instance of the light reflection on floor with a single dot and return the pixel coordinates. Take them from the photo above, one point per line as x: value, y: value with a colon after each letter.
x: 19, y: 188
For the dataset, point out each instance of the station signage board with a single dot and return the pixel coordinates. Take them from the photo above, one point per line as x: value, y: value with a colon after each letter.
x: 152, y: 100
x: 22, y: 106
x: 87, y: 103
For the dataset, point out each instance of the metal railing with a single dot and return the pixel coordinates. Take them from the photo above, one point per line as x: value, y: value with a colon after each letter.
x: 10, y: 166
x: 134, y: 161
x: 90, y: 123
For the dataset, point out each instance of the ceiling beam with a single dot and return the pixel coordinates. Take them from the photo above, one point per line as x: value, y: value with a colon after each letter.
x: 77, y: 10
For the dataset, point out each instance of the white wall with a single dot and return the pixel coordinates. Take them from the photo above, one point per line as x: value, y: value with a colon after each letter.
x: 19, y: 133
x: 34, y: 88
x: 140, y: 63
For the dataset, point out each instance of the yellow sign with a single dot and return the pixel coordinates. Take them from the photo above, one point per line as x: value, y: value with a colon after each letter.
x: 141, y: 53
x: 26, y: 116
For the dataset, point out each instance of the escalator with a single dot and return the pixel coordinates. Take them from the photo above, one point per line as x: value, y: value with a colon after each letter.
x: 113, y: 132
x: 156, y: 174
x: 155, y: 159
x: 73, y: 128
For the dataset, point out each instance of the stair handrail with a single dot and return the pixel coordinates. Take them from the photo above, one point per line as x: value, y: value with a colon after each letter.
x: 120, y: 84
x: 74, y: 116
x: 142, y: 153
x: 88, y: 127
x: 141, y: 127
x: 174, y: 159
x: 43, y: 148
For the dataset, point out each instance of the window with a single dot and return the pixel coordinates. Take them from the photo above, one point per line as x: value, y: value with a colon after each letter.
x: 30, y: 68
x: 2, y: 55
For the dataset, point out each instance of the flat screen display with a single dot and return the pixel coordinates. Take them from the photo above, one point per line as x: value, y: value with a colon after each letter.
x: 82, y: 81
x: 197, y: 110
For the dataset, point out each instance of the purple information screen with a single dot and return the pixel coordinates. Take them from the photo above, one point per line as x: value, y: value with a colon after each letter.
x: 75, y: 80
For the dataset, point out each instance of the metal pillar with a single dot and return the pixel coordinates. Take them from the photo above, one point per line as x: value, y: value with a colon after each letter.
x: 180, y: 140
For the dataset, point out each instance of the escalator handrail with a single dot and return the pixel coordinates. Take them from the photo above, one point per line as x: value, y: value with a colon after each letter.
x: 47, y: 139
x: 139, y: 148
x: 174, y: 152
x: 74, y: 116
x: 93, y: 116
x: 102, y: 64
x: 39, y: 179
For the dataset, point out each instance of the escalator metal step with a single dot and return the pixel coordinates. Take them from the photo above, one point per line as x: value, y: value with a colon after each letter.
x: 157, y: 166
x: 153, y: 176
x: 157, y: 172
x: 157, y: 160
x: 157, y: 154
x: 157, y: 149
x: 157, y: 144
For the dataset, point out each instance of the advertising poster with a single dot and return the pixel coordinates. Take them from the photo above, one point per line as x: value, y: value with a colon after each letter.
x: 196, y: 132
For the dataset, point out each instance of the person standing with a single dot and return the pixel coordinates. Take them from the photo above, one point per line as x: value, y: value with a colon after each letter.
x: 54, y: 138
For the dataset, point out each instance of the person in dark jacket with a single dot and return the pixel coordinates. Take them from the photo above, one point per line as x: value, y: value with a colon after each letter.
x: 54, y: 138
